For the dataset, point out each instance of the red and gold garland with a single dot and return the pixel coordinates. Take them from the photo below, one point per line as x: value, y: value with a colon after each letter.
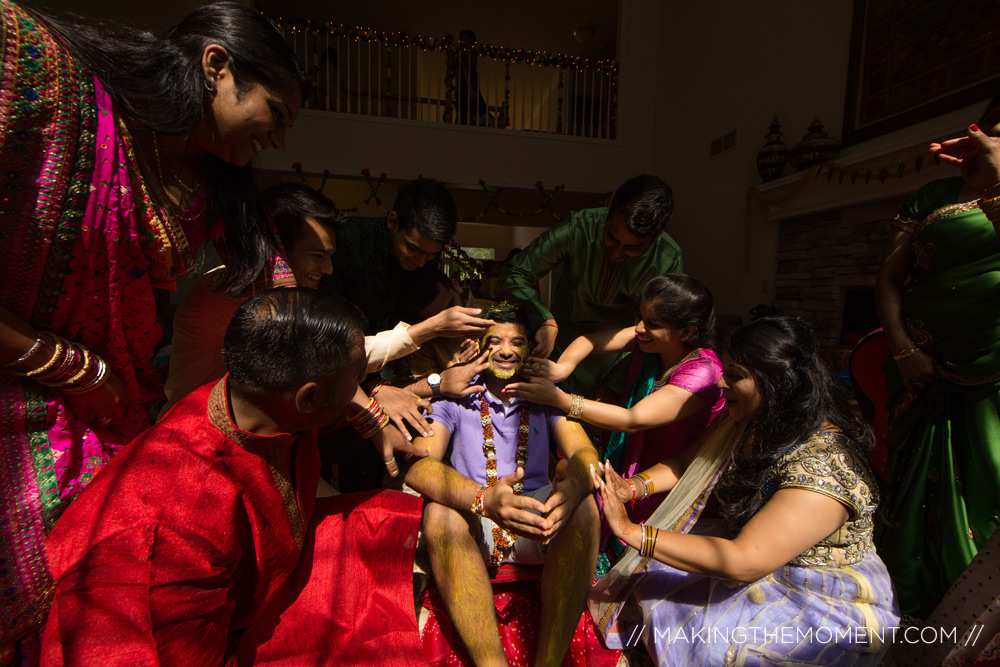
x: 503, y: 540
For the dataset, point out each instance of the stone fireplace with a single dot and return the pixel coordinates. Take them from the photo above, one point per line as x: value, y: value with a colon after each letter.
x: 832, y: 222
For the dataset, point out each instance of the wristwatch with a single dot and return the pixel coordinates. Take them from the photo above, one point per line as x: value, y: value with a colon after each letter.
x: 434, y: 380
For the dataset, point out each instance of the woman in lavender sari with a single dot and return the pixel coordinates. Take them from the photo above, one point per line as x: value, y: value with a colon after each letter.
x: 788, y: 575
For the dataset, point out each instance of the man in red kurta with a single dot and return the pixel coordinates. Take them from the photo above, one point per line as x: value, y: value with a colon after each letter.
x: 203, y: 542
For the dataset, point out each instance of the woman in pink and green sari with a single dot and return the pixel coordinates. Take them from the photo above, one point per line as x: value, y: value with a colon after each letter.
x: 121, y: 154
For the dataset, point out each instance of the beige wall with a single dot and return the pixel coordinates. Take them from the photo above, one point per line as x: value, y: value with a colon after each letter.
x: 734, y: 65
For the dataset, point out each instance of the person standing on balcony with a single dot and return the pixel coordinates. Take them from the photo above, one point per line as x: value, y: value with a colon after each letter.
x: 606, y: 255
x: 469, y: 102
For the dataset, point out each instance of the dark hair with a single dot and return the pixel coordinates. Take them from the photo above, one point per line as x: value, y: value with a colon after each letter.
x: 646, y: 203
x: 282, y: 338
x: 506, y: 312
x: 799, y: 395
x: 419, y: 290
x: 991, y: 115
x: 159, y: 83
x: 428, y: 205
x: 681, y: 301
x: 467, y: 34
x: 291, y: 203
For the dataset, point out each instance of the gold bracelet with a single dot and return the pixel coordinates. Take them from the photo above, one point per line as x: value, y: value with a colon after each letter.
x: 906, y: 352
x: 647, y: 483
x: 654, y: 534
x: 88, y: 361
x: 576, y: 406
x: 56, y: 357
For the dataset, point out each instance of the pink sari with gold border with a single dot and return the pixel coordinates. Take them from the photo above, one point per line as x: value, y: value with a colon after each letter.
x: 83, y: 246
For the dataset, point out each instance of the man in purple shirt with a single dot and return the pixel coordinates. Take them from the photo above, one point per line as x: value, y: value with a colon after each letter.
x: 490, y: 499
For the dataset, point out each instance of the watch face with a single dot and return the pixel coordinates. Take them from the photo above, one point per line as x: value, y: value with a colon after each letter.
x: 433, y: 379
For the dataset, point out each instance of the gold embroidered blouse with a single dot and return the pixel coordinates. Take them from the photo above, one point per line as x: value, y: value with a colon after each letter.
x: 827, y: 464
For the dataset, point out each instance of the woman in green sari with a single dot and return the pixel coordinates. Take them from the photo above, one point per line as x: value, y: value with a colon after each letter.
x: 938, y: 293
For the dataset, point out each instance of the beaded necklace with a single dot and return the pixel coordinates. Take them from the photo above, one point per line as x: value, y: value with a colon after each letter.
x: 503, y: 540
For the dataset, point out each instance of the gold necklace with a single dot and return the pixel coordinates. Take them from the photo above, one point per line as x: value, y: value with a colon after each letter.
x: 191, y: 189
x: 666, y: 376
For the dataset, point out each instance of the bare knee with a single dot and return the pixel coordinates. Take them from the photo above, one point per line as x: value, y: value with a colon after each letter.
x: 443, y: 524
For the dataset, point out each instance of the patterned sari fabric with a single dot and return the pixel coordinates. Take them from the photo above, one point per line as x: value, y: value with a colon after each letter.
x: 943, y: 497
x: 84, y: 245
x: 832, y: 605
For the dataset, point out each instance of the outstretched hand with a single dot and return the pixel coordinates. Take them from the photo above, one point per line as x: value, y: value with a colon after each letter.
x: 511, y: 512
x: 614, y: 509
x: 403, y: 407
x: 537, y: 390
x: 461, y: 322
x: 390, y: 440
x: 546, y: 368
x: 456, y: 381
x: 976, y: 155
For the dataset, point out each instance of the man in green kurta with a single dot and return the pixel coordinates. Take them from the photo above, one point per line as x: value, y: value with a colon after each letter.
x: 606, y: 256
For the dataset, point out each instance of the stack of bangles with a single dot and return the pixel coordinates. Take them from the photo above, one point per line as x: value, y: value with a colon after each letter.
x: 575, y: 406
x: 647, y: 486
x: 369, y: 421
x: 906, y: 352
x: 647, y: 547
x: 989, y: 202
x: 72, y: 368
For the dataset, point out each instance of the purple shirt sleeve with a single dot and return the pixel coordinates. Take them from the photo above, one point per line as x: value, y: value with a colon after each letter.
x: 445, y: 414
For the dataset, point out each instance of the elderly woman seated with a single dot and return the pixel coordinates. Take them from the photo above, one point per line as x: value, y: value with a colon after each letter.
x: 789, y: 575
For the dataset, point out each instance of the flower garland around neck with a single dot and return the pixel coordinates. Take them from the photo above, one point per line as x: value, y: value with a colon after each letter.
x: 503, y: 540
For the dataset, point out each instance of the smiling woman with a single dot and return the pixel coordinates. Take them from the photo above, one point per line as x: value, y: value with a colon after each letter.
x: 114, y: 187
x: 790, y: 553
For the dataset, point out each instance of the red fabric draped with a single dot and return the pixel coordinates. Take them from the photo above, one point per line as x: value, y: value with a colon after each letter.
x: 350, y: 600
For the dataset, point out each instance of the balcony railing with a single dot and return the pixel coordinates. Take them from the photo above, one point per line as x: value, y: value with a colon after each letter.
x: 367, y: 72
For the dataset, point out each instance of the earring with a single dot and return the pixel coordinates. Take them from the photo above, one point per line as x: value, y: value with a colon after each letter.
x: 210, y: 85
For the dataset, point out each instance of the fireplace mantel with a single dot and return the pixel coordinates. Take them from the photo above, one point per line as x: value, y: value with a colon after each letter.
x: 828, y: 188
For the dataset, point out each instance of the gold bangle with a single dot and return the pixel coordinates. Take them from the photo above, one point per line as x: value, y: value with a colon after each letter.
x: 88, y: 361
x: 56, y: 356
x: 654, y: 534
x: 647, y: 483
x: 906, y: 352
x: 576, y: 406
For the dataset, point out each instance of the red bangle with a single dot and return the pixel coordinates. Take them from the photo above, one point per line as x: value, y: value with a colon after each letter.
x: 550, y: 324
